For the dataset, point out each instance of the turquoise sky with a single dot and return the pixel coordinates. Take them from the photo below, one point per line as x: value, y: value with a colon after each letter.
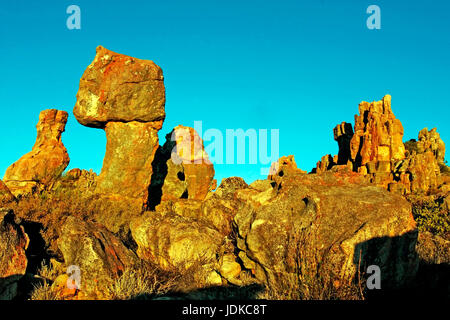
x: 298, y: 66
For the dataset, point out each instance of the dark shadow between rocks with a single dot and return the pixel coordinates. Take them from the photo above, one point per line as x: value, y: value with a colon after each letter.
x: 412, y: 277
x: 249, y: 292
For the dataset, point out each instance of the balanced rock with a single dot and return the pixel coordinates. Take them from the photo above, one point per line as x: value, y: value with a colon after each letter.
x: 13, y: 261
x: 126, y: 97
x: 99, y: 255
x: 47, y: 159
x: 116, y: 87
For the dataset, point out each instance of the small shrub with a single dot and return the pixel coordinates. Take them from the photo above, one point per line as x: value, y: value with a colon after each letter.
x: 142, y: 282
x: 431, y: 217
x: 44, y: 291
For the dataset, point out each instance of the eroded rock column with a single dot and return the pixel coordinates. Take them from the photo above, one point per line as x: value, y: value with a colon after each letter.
x: 47, y: 159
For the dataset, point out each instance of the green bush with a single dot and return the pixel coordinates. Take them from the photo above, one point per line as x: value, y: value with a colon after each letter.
x: 431, y: 217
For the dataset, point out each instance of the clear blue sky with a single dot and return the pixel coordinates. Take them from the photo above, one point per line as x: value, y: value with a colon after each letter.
x: 297, y: 66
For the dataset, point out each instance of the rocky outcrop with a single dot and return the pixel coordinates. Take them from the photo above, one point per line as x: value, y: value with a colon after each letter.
x: 47, y: 159
x: 431, y: 141
x: 378, y: 134
x: 99, y: 255
x: 286, y: 166
x: 5, y: 195
x: 334, y: 218
x: 126, y: 97
x: 182, y: 169
x: 343, y: 134
x: 13, y: 261
x: 175, y: 242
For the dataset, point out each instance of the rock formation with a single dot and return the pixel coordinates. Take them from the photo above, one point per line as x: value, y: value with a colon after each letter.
x: 376, y: 151
x: 126, y: 97
x: 332, y: 220
x: 378, y: 135
x: 172, y: 241
x: 431, y: 141
x: 47, y: 159
x: 182, y: 169
x: 5, y: 195
x: 13, y: 261
x: 98, y: 254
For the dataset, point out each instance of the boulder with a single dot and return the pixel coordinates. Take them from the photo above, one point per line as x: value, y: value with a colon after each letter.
x: 333, y: 220
x: 174, y: 242
x: 99, y: 255
x: 116, y: 87
x: 47, y: 159
x: 182, y: 168
x: 343, y: 134
x: 13, y: 261
x: 5, y: 194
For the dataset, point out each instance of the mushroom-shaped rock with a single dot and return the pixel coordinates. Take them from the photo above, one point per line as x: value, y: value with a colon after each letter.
x: 47, y: 159
x: 126, y: 97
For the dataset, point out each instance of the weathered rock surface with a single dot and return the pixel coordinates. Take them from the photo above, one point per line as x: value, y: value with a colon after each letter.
x: 378, y: 134
x: 47, y: 159
x: 182, y: 168
x: 5, y: 194
x: 343, y: 134
x: 126, y: 97
x: 127, y: 166
x: 116, y: 87
x: 13, y: 261
x: 172, y: 241
x: 286, y: 166
x: 100, y: 256
x: 431, y: 141
x: 333, y: 217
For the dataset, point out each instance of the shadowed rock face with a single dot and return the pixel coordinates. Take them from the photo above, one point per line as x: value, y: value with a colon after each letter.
x: 125, y: 96
x: 47, y: 159
x: 116, y: 87
x: 182, y: 168
x: 127, y: 166
x: 13, y: 261
x: 100, y: 256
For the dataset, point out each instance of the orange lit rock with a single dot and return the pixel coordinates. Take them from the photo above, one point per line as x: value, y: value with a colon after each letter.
x: 47, y: 159
x: 116, y: 87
